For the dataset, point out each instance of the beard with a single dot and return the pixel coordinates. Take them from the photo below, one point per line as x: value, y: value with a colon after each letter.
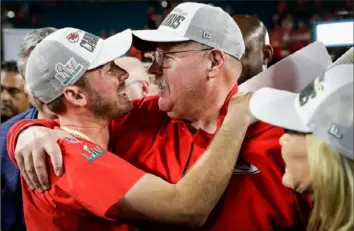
x: 109, y: 109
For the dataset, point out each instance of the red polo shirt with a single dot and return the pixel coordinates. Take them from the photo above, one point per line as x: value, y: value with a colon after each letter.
x: 80, y: 198
x: 255, y: 198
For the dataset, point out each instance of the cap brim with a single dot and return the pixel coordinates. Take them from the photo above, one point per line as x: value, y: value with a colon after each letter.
x: 277, y: 107
x: 113, y: 47
x: 145, y: 40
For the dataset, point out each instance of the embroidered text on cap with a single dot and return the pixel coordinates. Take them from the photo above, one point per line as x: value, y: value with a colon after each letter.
x: 89, y: 41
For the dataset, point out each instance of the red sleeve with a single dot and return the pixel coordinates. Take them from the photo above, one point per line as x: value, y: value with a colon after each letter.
x: 20, y: 126
x: 95, y: 177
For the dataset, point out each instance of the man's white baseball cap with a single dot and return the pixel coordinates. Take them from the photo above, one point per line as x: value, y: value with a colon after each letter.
x: 206, y: 24
x: 324, y: 108
x: 63, y: 57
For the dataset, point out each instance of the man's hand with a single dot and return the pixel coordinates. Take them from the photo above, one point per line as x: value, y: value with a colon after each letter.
x: 30, y: 154
x: 240, y: 104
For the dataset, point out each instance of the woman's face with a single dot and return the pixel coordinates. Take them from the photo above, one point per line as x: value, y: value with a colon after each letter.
x: 297, y: 172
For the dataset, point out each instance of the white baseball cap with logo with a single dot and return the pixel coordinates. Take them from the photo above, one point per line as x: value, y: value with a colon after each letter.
x: 63, y: 57
x: 206, y: 24
x: 323, y: 108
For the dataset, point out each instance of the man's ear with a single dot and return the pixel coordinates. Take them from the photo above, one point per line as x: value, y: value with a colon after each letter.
x: 267, y: 54
x: 144, y: 88
x: 217, y: 61
x: 25, y: 88
x: 75, y: 95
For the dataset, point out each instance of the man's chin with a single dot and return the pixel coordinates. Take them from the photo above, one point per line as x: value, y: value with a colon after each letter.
x: 8, y: 111
x: 165, y: 104
x: 124, y: 108
x: 127, y: 108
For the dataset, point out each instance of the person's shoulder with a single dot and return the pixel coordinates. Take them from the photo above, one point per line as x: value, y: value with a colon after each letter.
x: 29, y: 114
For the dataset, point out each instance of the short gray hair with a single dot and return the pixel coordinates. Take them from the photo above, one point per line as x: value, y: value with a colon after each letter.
x: 30, y: 41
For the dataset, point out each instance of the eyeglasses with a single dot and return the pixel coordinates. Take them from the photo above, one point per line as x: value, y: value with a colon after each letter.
x: 159, y: 57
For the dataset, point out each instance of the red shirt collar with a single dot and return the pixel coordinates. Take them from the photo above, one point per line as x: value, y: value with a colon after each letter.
x: 224, y: 108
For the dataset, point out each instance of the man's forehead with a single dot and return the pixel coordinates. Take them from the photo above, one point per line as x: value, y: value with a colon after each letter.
x: 109, y: 64
x: 105, y: 66
x: 170, y: 46
x: 9, y: 73
x: 10, y: 77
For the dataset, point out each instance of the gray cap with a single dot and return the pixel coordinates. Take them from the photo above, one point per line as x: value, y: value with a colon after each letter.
x: 206, y: 24
x: 324, y: 108
x: 63, y: 57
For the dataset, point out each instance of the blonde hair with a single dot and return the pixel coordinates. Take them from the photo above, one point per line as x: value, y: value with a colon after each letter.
x: 333, y: 177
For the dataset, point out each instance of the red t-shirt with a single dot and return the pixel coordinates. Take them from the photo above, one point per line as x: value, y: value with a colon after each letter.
x: 255, y: 198
x: 94, y: 180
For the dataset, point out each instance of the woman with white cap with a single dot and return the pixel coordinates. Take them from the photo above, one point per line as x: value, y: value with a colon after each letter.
x: 318, y: 144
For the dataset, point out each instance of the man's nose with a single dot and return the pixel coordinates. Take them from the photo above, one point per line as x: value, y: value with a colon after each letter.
x: 155, y: 69
x: 5, y: 96
x: 124, y: 76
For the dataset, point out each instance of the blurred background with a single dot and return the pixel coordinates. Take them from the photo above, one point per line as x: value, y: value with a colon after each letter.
x: 291, y: 24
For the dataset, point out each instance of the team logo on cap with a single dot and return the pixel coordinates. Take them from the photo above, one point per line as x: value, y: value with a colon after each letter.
x: 173, y: 20
x: 311, y: 90
x: 89, y: 41
x: 73, y: 37
x: 68, y: 71
x: 334, y: 131
x: 206, y: 35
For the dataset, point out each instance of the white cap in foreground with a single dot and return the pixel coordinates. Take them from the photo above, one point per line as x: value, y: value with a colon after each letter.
x: 324, y: 108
